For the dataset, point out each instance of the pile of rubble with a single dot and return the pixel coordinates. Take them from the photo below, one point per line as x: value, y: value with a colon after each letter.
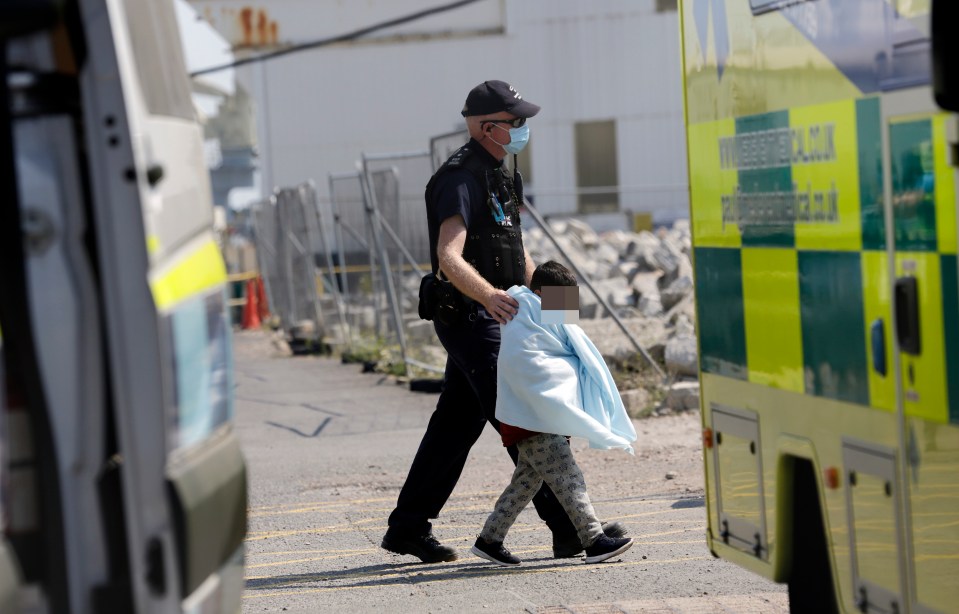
x: 647, y: 279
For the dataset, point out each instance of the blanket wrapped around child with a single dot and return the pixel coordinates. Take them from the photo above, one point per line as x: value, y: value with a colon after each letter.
x: 552, y: 379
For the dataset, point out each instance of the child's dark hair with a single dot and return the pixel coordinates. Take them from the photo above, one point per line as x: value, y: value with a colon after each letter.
x: 551, y: 273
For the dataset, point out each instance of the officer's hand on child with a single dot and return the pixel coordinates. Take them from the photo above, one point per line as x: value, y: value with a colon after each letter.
x: 501, y: 306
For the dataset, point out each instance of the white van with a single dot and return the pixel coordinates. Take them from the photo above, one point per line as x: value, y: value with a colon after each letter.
x: 122, y: 485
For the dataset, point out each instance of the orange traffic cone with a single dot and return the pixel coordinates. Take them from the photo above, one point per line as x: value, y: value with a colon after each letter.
x: 263, y: 306
x: 251, y: 315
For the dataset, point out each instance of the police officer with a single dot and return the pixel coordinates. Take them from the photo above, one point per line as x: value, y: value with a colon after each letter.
x: 476, y: 243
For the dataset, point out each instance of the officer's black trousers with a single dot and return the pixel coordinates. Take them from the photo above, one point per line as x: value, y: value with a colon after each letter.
x: 466, y: 404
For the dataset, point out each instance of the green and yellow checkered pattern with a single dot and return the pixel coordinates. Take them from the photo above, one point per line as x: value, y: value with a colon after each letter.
x: 793, y: 283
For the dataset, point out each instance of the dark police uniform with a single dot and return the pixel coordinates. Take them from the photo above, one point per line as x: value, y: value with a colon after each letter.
x: 475, y: 185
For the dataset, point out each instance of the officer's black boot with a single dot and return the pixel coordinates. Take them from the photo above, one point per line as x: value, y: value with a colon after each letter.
x: 425, y: 547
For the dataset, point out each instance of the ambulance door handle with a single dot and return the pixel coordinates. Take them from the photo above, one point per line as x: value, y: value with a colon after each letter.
x: 877, y: 336
x: 907, y: 315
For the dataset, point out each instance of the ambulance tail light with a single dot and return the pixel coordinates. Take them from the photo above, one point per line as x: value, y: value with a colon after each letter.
x: 831, y: 478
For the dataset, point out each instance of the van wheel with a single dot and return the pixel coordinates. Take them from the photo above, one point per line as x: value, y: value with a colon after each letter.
x: 811, y: 589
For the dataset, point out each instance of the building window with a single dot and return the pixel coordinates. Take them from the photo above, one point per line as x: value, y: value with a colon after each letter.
x: 597, y: 179
x: 663, y: 6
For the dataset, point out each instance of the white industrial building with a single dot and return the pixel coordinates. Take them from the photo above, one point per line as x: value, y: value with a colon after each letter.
x: 608, y: 143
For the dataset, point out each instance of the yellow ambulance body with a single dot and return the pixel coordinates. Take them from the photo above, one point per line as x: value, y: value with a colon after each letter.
x: 823, y: 210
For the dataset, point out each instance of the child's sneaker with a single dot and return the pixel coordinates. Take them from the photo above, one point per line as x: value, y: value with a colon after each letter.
x: 494, y: 552
x: 606, y: 548
x: 570, y: 546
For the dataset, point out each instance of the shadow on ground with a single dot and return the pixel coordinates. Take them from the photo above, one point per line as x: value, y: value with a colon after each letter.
x: 391, y: 574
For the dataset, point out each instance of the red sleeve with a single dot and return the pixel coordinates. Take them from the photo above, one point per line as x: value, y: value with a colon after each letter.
x: 513, y: 434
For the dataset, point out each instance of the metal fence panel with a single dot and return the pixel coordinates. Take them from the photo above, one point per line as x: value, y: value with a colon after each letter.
x: 395, y: 185
x: 349, y: 217
x: 353, y: 252
x: 303, y: 236
x: 443, y: 146
x: 264, y: 224
x: 375, y: 218
x: 287, y: 228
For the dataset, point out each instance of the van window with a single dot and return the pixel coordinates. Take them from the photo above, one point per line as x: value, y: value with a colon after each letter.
x: 154, y: 36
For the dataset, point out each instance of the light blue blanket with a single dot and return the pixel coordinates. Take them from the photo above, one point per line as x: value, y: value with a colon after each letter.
x: 552, y: 379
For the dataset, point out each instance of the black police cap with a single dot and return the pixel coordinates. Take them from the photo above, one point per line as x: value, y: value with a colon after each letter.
x: 495, y: 96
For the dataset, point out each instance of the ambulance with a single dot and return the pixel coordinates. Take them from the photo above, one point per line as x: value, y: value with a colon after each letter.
x: 122, y: 485
x: 822, y: 149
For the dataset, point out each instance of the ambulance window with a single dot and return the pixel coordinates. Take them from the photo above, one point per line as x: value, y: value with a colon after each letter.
x: 154, y: 36
x: 908, y: 59
x: 765, y: 6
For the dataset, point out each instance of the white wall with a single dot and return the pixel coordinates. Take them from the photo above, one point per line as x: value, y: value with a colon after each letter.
x: 581, y: 61
x: 609, y: 59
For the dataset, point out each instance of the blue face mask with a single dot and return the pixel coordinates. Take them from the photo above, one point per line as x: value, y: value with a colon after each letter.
x: 518, y: 138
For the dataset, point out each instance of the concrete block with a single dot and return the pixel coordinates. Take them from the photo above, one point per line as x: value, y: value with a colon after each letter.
x: 683, y: 396
x: 682, y: 355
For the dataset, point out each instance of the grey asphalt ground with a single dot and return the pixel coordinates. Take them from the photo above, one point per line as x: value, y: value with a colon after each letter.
x: 328, y: 448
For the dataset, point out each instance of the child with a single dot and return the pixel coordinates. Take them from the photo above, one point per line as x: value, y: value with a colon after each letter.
x: 552, y: 383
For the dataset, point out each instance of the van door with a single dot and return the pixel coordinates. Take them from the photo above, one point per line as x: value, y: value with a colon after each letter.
x: 55, y: 411
x: 164, y: 291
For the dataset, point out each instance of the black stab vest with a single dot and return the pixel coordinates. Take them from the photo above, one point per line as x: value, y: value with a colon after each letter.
x: 494, y: 248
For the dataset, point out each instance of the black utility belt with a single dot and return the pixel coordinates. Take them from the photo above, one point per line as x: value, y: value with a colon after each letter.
x: 442, y: 302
